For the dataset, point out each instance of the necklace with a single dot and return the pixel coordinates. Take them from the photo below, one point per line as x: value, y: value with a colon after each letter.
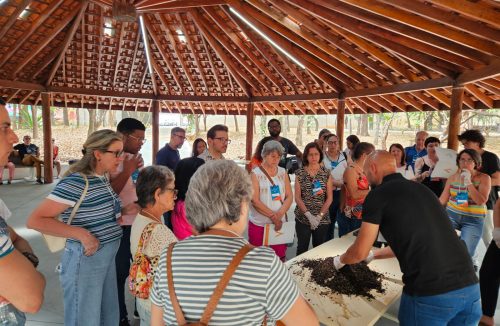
x: 273, y: 173
x: 222, y: 230
x: 151, y: 216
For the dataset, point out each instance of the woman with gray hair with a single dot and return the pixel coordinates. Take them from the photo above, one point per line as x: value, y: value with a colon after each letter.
x: 149, y: 236
x: 87, y: 269
x: 217, y: 203
x: 272, y: 196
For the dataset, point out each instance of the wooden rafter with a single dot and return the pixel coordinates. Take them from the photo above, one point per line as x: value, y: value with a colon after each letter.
x: 165, y: 5
x: 13, y: 17
x: 118, y: 51
x: 476, y: 10
x: 149, y: 57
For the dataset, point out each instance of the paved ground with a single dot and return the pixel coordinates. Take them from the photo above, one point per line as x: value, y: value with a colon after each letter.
x: 22, y: 198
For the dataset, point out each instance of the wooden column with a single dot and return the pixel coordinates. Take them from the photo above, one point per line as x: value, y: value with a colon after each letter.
x: 156, y: 129
x: 249, y: 138
x: 340, y: 122
x: 457, y: 95
x: 48, y: 175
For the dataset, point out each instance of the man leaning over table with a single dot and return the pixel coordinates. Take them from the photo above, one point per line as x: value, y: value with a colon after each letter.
x: 440, y: 286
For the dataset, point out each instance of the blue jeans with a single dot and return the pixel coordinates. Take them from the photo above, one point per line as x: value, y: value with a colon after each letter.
x: 144, y: 310
x: 11, y: 316
x: 89, y: 285
x: 471, y: 229
x: 334, y: 211
x: 458, y: 307
x: 346, y: 224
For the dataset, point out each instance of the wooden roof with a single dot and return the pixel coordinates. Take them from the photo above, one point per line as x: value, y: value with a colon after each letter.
x: 378, y: 55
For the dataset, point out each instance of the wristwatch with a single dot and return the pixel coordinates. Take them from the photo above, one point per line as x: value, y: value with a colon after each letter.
x: 31, y: 257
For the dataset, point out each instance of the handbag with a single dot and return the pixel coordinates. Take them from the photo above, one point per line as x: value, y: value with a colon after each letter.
x: 55, y: 243
x: 287, y: 232
x: 141, y: 273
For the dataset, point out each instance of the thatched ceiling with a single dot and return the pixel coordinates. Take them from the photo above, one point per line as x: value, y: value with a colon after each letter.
x: 380, y: 55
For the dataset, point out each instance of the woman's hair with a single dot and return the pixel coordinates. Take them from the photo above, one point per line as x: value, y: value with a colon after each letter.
x: 99, y: 140
x: 151, y: 178
x: 183, y: 173
x: 353, y: 139
x: 305, y: 161
x: 474, y: 155
x: 323, y: 133
x: 474, y: 136
x: 272, y: 146
x: 400, y: 147
x: 362, y: 148
x: 195, y: 146
x: 217, y: 191
x: 430, y: 140
x: 258, y: 150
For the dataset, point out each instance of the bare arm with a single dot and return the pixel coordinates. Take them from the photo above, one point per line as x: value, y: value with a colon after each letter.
x: 288, y: 198
x: 19, y: 242
x: 361, y: 247
x: 300, y: 314
x: 445, y: 195
x: 329, y: 195
x: 27, y: 294
x: 298, y: 197
x: 383, y: 253
x: 256, y: 202
x: 156, y: 315
x: 351, y: 182
x: 480, y: 195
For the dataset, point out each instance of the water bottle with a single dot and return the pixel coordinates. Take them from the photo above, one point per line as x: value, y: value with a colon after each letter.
x: 135, y: 175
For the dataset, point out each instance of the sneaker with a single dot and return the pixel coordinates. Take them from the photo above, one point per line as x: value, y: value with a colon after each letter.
x: 124, y: 322
x: 39, y: 181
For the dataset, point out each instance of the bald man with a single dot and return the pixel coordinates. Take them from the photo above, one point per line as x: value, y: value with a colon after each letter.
x: 440, y: 285
x: 412, y: 153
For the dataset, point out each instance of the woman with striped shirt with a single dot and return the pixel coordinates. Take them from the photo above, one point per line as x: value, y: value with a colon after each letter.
x: 465, y: 195
x: 87, y: 269
x: 217, y: 204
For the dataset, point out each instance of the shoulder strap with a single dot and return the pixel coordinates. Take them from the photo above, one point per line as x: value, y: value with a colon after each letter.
x: 77, y: 205
x: 219, y: 289
x: 267, y: 175
x: 145, y: 235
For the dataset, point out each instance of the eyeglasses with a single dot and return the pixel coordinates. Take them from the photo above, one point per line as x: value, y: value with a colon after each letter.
x: 140, y: 140
x: 223, y: 140
x: 181, y: 137
x: 331, y: 142
x: 175, y: 191
x: 116, y: 153
x: 466, y: 160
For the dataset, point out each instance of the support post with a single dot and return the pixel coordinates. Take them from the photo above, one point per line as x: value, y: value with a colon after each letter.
x: 48, y: 175
x: 457, y: 95
x: 340, y: 121
x: 156, y: 128
x: 249, y: 138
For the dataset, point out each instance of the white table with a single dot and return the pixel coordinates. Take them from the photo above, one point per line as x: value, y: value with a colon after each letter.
x: 337, y: 309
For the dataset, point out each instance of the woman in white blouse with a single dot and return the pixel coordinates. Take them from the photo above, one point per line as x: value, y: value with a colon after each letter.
x: 398, y: 152
x: 155, y: 196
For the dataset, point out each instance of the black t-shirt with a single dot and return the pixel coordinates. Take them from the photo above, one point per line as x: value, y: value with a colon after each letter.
x: 489, y: 166
x: 23, y: 149
x: 431, y: 256
x: 290, y: 149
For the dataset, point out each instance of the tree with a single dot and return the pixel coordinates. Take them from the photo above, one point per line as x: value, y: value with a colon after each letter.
x: 364, y: 125
x: 236, y: 127
x: 385, y: 129
x: 14, y: 117
x: 65, y: 116
x: 263, y: 125
x: 34, y: 118
x: 204, y: 122
x: 300, y: 127
x: 92, y: 119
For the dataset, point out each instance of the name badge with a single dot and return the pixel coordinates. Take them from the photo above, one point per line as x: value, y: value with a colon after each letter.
x: 462, y: 199
x: 334, y: 164
x: 317, y: 188
x: 275, y: 192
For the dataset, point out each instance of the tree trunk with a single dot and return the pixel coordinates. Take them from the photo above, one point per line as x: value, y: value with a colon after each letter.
x: 316, y: 123
x: 254, y: 129
x: 34, y: 118
x: 92, y: 121
x: 52, y: 117
x: 308, y: 125
x: 77, y: 113
x: 196, y: 125
x: 20, y: 121
x: 350, y: 125
x: 225, y: 120
x: 284, y: 126
x: 100, y: 115
x: 65, y: 116
x: 408, y: 122
x: 263, y: 125
x: 428, y: 121
x: 364, y: 125
x: 377, y: 129
x: 385, y: 131
x: 112, y: 119
x: 236, y: 127
x: 300, y: 127
x: 287, y: 123
x: 204, y: 122
x: 14, y: 117
x: 358, y: 125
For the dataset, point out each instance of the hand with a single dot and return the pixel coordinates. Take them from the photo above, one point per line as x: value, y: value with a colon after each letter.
x: 89, y: 242
x: 496, y: 236
x: 131, y: 163
x: 370, y: 257
x: 466, y: 176
x: 425, y: 174
x: 278, y: 225
x: 312, y: 220
x: 337, y: 264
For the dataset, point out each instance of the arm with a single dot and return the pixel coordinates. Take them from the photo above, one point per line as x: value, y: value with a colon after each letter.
x: 19, y: 242
x: 300, y: 314
x: 480, y: 195
x: 288, y: 199
x: 351, y: 182
x: 256, y: 202
x: 298, y: 197
x: 445, y: 195
x: 27, y: 294
x: 329, y: 195
x: 383, y: 253
x: 495, y: 179
x: 361, y: 247
x: 156, y: 315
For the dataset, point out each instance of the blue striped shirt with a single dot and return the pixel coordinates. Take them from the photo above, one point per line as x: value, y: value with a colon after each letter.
x: 6, y: 246
x: 99, y: 210
x: 261, y: 284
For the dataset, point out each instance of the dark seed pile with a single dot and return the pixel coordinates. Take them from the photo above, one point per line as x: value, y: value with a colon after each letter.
x: 357, y: 279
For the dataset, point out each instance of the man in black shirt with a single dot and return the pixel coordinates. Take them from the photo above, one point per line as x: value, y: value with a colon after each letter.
x: 274, y: 128
x: 473, y: 139
x: 30, y: 156
x: 440, y: 285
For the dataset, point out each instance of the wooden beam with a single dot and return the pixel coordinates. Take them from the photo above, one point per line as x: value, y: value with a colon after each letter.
x: 472, y: 76
x: 475, y: 10
x: 120, y: 41
x: 167, y: 5
x: 12, y: 96
x: 149, y: 58
x: 53, y: 33
x: 13, y: 18
x: 25, y: 97
x: 402, y: 88
x: 457, y: 95
x: 5, y: 83
x: 476, y: 92
x: 212, y: 65
x: 249, y: 133
x: 48, y: 176
x: 156, y: 129
x: 67, y: 40
x: 340, y: 121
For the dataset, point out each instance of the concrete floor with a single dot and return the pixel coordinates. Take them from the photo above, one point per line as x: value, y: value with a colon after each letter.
x: 22, y: 197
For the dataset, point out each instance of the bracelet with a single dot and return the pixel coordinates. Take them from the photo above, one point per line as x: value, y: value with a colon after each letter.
x: 32, y: 258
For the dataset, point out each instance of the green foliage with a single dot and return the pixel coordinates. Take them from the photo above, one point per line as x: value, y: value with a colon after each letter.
x: 27, y: 119
x: 191, y: 123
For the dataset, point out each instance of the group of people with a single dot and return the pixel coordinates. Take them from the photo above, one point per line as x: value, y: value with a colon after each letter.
x: 194, y: 264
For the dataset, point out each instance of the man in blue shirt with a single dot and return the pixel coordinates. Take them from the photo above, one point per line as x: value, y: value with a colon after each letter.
x: 417, y: 150
x: 169, y: 155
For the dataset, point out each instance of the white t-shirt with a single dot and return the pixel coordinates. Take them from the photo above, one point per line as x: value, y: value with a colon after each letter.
x: 406, y: 171
x: 161, y: 237
x: 265, y: 195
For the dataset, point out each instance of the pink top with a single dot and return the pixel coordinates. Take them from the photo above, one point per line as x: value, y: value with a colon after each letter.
x: 127, y: 195
x: 182, y: 228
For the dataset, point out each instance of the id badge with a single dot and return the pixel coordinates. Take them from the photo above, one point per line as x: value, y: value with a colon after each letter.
x: 317, y: 188
x: 462, y: 199
x: 275, y: 192
x: 334, y: 164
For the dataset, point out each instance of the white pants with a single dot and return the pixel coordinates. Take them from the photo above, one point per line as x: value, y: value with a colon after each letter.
x: 488, y: 228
